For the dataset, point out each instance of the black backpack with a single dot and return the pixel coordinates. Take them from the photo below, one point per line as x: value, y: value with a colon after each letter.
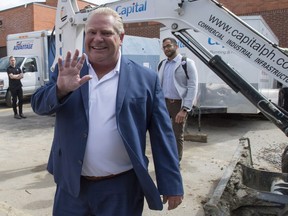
x: 184, y: 66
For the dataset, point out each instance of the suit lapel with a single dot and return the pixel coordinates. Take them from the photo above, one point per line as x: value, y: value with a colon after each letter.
x: 124, y: 82
x: 84, y: 89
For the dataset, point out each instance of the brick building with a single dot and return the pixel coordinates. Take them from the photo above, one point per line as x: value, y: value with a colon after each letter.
x: 28, y: 17
x: 274, y: 12
x: 39, y: 16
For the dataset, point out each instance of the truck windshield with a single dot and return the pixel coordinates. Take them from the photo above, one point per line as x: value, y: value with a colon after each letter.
x: 4, y: 63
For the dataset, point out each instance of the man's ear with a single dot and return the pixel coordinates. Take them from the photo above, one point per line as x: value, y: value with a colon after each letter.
x: 121, y: 37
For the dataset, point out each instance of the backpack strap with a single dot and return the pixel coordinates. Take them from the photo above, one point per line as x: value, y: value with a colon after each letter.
x: 184, y: 66
x: 160, y: 64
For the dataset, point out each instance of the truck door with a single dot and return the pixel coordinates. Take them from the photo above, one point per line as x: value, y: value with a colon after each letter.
x: 31, y: 80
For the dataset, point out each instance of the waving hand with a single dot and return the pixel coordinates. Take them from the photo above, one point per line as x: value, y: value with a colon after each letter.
x: 69, y: 74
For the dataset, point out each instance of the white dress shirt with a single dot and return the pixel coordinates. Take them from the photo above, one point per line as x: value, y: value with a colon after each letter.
x: 105, y: 151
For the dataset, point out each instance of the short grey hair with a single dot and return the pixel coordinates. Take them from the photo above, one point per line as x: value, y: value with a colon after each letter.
x: 118, y: 25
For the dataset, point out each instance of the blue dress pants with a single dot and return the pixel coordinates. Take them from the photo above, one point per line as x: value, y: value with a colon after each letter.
x: 117, y: 196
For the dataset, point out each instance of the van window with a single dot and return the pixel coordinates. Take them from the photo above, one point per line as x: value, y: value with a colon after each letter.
x: 30, y: 65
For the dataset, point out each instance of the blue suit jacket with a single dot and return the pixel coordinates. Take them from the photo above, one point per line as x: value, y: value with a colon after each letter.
x: 140, y: 107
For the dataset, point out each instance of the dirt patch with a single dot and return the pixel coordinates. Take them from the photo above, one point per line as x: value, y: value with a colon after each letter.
x: 272, y: 154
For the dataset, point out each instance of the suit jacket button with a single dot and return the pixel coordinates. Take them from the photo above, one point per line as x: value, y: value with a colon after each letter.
x: 80, y: 162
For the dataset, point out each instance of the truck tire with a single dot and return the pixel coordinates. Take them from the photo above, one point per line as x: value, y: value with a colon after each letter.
x: 8, y: 99
x: 284, y: 161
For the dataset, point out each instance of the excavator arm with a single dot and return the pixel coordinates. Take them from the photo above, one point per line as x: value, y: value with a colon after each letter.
x: 206, y: 16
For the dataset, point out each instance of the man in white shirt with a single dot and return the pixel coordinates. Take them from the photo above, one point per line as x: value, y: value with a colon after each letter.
x: 104, y: 105
x: 180, y: 85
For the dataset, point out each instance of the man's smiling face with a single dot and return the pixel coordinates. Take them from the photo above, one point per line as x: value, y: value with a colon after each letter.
x: 102, y: 42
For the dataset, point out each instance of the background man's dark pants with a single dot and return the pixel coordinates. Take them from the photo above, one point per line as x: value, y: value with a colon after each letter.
x: 174, y: 106
x: 17, y: 94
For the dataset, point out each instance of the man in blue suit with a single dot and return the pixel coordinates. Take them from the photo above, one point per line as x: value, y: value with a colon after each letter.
x: 104, y: 105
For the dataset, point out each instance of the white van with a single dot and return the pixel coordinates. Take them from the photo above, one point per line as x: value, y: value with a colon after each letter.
x: 33, y: 55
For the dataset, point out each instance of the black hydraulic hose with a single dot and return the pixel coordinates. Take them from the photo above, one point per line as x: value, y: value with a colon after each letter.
x: 266, y: 107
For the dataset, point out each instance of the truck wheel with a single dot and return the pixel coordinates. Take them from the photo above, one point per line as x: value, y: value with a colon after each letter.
x: 8, y: 99
x: 284, y: 161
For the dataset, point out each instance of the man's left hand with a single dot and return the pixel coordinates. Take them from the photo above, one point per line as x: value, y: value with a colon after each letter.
x: 173, y: 201
x: 181, y: 116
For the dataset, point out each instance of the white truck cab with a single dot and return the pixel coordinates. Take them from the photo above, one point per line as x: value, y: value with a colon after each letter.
x: 31, y: 51
x: 31, y: 67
